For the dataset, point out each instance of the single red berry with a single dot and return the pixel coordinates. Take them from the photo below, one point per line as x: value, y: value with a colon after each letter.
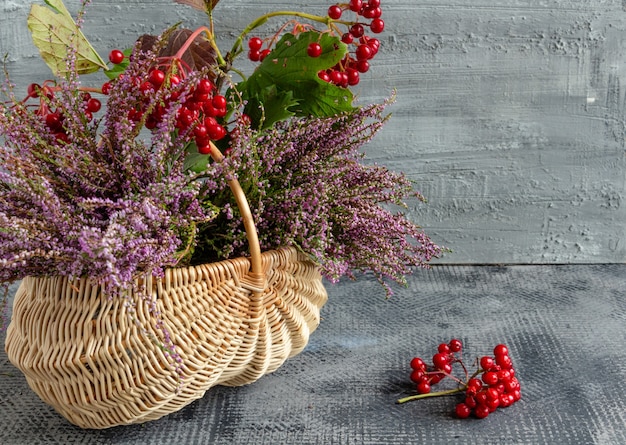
x: 347, y: 38
x: 116, y: 57
x: 377, y: 26
x: 500, y: 350
x: 492, y: 404
x: 264, y: 54
x: 504, y: 375
x: 487, y: 363
x: 481, y: 411
x: 106, y: 88
x: 353, y: 76
x: 481, y: 397
x: 416, y: 375
x: 500, y: 387
x: 355, y: 5
x: 363, y: 66
x: 475, y: 384
x: 174, y: 80
x: 357, y: 30
x: 490, y: 378
x: 418, y: 363
x: 53, y: 121
x: 423, y: 388
x: 93, y: 105
x: 205, y: 86
x: 324, y: 75
x: 219, y: 101
x: 314, y: 49
x: 470, y: 401
x: 200, y: 131
x: 455, y: 345
x: 504, y: 361
x: 204, y: 149
x: 439, y: 360
x: 373, y: 3
x: 462, y: 411
x: 217, y: 133
x: 506, y: 400
x: 336, y: 77
x: 255, y: 43
x: 156, y: 77
x: 254, y: 55
x: 334, y: 12
x: 443, y: 348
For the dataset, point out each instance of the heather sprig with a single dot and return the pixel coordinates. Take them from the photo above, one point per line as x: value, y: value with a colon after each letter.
x: 310, y: 187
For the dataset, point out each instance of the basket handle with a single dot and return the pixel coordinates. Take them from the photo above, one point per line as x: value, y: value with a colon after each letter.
x: 257, y: 272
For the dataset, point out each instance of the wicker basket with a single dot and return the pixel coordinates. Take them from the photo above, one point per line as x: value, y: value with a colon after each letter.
x: 231, y: 322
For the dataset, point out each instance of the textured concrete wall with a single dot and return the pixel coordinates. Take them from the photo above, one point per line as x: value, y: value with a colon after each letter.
x: 510, y: 113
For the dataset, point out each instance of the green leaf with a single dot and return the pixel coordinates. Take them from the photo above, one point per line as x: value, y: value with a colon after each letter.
x: 270, y: 106
x: 54, y: 31
x: 288, y: 77
x: 194, y: 161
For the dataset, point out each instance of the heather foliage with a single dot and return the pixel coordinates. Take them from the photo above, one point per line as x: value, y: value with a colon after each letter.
x: 309, y: 186
x: 106, y: 205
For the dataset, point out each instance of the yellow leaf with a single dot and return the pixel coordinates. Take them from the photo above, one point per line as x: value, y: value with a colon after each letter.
x: 54, y: 31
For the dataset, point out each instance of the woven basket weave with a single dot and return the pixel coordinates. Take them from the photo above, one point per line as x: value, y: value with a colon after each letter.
x: 230, y: 321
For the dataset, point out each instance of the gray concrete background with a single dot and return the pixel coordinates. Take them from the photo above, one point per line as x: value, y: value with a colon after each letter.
x: 510, y: 113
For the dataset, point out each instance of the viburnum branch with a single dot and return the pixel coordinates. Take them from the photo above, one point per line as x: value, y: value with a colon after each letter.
x: 448, y: 392
x: 261, y: 20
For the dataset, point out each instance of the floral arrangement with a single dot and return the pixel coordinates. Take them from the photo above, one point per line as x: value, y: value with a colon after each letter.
x: 127, y: 177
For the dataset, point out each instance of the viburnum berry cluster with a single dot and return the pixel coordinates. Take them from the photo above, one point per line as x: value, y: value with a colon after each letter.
x: 363, y: 47
x: 199, y: 113
x: 493, y: 385
x: 53, y: 117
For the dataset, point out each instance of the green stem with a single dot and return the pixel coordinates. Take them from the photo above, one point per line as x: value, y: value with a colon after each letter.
x: 448, y: 392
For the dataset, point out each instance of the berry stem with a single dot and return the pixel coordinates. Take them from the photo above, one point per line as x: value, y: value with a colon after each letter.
x: 192, y: 37
x: 447, y: 392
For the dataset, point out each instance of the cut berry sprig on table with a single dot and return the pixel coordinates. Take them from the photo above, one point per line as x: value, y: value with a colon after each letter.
x: 491, y: 386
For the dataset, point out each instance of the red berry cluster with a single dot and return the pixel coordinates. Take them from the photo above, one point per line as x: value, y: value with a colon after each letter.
x: 347, y: 71
x: 256, y: 53
x: 493, y: 385
x: 200, y: 113
x: 52, y: 117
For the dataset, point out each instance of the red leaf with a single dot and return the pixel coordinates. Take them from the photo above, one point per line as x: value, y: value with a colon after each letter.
x: 200, y: 53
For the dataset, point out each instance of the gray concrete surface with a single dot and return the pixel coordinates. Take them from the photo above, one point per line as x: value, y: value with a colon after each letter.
x: 565, y: 327
x: 510, y: 113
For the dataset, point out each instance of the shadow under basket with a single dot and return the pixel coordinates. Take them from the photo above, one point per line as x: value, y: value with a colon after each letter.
x: 100, y: 366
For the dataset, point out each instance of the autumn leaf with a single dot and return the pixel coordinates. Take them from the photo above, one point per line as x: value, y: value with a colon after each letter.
x: 54, y: 31
x: 199, y: 55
